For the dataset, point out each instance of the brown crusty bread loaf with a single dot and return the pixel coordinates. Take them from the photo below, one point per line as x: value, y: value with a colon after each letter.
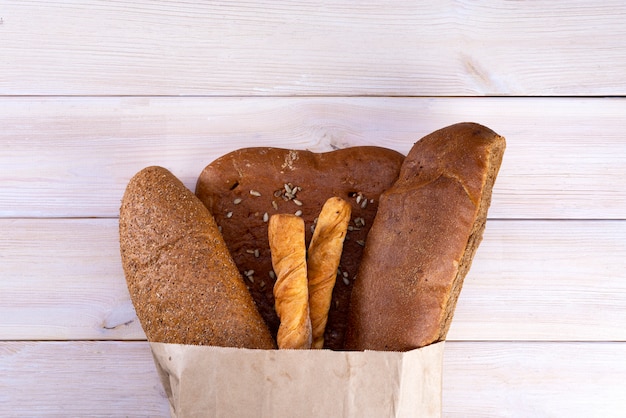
x: 421, y: 245
x: 181, y: 278
x: 242, y: 189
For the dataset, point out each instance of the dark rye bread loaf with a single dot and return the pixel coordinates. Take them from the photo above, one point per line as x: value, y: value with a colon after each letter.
x: 181, y: 278
x: 244, y: 188
x: 421, y: 245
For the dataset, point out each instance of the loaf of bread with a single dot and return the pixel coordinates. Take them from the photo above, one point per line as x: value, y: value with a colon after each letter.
x: 182, y: 280
x: 421, y: 245
x: 244, y: 188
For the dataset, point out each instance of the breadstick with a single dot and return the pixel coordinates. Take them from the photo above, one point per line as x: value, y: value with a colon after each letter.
x: 323, y: 260
x: 291, y: 294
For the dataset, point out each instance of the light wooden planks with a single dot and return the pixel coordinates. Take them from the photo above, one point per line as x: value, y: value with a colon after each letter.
x: 80, y: 379
x: 506, y: 379
x: 72, y: 157
x: 525, y: 379
x: 545, y: 280
x: 389, y: 48
x: 61, y: 279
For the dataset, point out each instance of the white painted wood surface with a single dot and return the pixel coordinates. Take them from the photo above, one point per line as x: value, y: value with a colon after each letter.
x: 72, y: 157
x: 391, y: 47
x: 93, y: 91
x: 530, y: 280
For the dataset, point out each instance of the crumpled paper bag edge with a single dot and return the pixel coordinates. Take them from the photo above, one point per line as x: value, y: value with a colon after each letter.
x: 226, y: 382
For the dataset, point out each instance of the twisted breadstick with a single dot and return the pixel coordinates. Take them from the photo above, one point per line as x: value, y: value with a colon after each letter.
x: 323, y: 260
x: 287, y: 245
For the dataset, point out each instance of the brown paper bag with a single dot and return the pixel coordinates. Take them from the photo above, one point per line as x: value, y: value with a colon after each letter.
x: 203, y: 381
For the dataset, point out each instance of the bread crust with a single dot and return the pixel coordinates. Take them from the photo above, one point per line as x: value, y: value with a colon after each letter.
x: 286, y: 238
x: 183, y: 283
x: 422, y: 242
x: 324, y: 256
x: 241, y: 187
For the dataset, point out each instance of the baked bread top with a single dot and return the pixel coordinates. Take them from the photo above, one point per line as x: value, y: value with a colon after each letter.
x: 242, y: 189
x: 421, y: 245
x: 181, y: 278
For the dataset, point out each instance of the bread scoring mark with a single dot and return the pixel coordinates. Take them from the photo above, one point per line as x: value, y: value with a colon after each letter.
x: 463, y: 186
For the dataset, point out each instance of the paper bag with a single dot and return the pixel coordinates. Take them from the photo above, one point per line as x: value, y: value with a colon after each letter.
x: 203, y: 381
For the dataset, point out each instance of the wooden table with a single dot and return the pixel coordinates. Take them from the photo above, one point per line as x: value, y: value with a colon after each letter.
x: 93, y: 91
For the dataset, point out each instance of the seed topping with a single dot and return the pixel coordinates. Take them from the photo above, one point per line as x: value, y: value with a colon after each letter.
x: 289, y: 192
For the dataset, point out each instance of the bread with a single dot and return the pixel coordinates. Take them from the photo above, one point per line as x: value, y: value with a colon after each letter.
x: 323, y: 259
x: 286, y: 238
x: 183, y: 283
x: 421, y: 245
x: 242, y: 189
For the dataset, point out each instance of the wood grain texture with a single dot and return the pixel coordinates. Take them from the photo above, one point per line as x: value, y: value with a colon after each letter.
x: 93, y: 91
x: 72, y: 157
x: 525, y: 379
x: 79, y: 379
x: 545, y: 280
x: 61, y: 279
x: 388, y: 48
x: 507, y: 379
